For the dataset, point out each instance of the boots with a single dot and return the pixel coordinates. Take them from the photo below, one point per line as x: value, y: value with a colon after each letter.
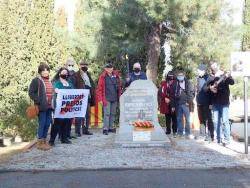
x: 46, y: 146
x: 39, y: 144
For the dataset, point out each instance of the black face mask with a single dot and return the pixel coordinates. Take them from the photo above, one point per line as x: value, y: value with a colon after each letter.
x: 64, y: 76
x: 84, y: 69
x: 137, y: 70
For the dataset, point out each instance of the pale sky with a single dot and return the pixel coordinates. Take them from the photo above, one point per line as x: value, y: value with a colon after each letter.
x: 237, y: 6
x: 70, y: 7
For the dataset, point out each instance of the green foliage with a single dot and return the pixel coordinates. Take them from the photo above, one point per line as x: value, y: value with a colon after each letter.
x: 111, y: 28
x: 210, y: 38
x: 162, y: 120
x: 19, y: 124
x: 105, y: 29
x: 27, y: 39
x: 237, y: 90
x: 126, y: 25
x: 246, y: 37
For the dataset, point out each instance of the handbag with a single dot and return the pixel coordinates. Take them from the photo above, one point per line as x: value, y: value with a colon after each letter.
x: 32, y: 110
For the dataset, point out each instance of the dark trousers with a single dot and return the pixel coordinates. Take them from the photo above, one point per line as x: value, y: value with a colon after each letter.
x: 205, y: 117
x: 60, y: 126
x: 69, y: 129
x: 83, y: 122
x: 171, y: 120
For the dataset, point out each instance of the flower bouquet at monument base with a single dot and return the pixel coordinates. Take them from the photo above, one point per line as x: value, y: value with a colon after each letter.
x: 141, y: 125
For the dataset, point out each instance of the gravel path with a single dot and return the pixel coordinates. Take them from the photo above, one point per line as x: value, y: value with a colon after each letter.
x: 99, y: 151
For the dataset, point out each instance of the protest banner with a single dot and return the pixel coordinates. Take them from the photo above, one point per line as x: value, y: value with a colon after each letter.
x: 71, y: 103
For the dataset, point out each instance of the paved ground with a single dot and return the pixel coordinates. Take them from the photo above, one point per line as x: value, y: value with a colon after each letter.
x: 216, y: 178
x: 100, y: 152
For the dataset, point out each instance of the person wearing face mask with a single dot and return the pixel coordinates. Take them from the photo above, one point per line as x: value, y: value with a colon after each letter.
x: 218, y: 87
x: 41, y: 92
x: 70, y: 64
x: 182, y: 98
x: 61, y: 125
x: 83, y: 80
x: 165, y: 94
x: 108, y: 93
x: 203, y: 100
x: 137, y: 74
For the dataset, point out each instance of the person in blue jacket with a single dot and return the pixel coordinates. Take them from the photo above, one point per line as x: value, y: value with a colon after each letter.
x: 137, y: 74
x: 204, y: 103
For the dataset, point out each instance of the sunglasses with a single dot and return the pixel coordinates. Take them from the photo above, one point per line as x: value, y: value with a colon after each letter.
x: 71, y: 65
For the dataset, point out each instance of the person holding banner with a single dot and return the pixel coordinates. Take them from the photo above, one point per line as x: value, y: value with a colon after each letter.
x: 61, y: 125
x: 70, y: 66
x: 108, y: 93
x: 71, y: 78
x: 41, y: 92
x: 83, y: 80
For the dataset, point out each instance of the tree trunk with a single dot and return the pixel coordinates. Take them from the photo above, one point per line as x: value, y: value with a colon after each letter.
x: 154, y: 50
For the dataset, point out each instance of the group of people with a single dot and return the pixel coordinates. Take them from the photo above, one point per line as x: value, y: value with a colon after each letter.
x: 176, y: 95
x: 43, y: 91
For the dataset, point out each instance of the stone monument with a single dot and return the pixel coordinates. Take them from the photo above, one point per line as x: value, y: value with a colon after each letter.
x: 139, y: 104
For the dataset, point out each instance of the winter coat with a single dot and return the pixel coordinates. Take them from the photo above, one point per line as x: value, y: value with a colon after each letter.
x: 133, y: 77
x: 223, y: 94
x: 79, y: 84
x: 202, y: 97
x: 37, y: 92
x: 185, y: 97
x: 59, y: 85
x: 101, y: 88
x: 166, y: 90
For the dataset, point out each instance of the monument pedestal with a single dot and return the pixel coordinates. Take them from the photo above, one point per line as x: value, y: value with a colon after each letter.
x: 139, y: 102
x: 128, y: 136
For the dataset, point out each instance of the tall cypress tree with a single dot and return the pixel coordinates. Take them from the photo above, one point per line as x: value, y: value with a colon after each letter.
x: 28, y: 40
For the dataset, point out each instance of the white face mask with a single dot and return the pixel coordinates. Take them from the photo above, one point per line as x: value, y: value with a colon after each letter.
x: 71, y: 68
x: 201, y: 73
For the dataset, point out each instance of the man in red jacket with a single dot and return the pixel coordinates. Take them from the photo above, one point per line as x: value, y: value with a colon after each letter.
x: 108, y: 93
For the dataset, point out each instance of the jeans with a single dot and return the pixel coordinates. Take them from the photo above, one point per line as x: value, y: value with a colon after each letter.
x: 109, y: 115
x: 205, y: 117
x: 183, y: 109
x: 44, y: 121
x: 82, y: 122
x: 221, y: 122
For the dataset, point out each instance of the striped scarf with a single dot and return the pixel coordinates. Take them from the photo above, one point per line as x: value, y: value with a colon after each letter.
x: 48, y: 89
